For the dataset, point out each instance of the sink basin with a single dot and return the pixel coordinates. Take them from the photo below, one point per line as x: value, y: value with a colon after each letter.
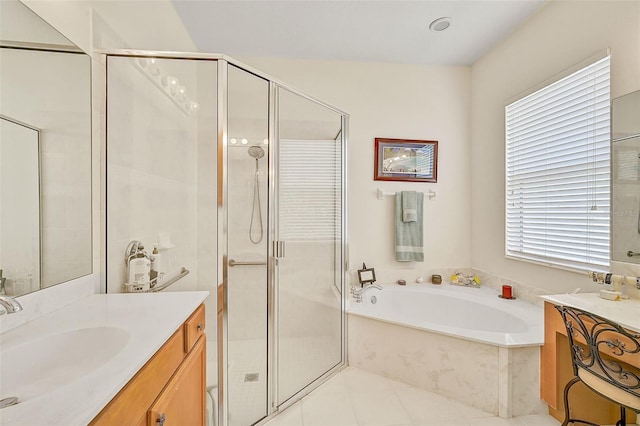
x: 43, y: 364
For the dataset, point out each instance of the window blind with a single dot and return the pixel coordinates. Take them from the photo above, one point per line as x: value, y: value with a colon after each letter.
x: 310, y: 190
x: 557, y: 172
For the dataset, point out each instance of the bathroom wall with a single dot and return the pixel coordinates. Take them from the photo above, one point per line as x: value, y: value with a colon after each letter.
x: 411, y: 101
x: 162, y: 29
x: 396, y: 101
x: 559, y: 36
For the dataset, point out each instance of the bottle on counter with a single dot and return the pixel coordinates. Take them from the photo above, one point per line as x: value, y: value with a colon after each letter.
x: 156, y: 259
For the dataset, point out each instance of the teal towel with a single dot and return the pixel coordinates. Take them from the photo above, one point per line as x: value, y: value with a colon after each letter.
x: 409, y: 210
x: 409, y: 235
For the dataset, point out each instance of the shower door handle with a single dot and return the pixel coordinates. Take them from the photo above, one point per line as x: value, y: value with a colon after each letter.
x: 278, y: 249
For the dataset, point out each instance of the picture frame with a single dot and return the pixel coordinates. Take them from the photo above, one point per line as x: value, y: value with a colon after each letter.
x: 366, y: 275
x: 406, y: 160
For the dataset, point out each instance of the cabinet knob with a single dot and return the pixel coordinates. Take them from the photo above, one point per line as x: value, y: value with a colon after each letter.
x: 161, y: 420
x: 200, y: 327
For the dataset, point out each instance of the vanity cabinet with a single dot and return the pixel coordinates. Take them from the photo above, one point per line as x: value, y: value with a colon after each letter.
x: 169, y: 389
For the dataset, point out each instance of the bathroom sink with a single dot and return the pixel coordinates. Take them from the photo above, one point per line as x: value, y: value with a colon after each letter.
x: 43, y: 364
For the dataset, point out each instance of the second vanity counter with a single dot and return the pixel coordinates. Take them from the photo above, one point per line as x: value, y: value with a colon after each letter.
x: 624, y: 312
x: 121, y: 333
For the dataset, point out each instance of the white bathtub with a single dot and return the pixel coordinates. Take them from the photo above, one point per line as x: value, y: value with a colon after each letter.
x: 464, y: 343
x: 476, y: 314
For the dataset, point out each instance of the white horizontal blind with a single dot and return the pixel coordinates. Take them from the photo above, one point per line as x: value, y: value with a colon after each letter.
x: 310, y: 190
x: 557, y: 172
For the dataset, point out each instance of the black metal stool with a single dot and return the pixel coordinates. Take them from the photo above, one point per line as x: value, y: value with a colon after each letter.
x: 591, y: 336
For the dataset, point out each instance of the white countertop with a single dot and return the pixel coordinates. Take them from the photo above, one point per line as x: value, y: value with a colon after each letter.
x: 624, y: 312
x: 149, y: 320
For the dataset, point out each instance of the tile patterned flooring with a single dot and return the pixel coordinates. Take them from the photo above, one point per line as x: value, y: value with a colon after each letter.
x: 355, y: 397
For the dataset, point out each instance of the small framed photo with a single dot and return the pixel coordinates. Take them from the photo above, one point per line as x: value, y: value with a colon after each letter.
x: 407, y: 160
x: 366, y: 275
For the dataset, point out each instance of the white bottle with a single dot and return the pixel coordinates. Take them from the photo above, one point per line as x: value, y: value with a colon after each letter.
x: 156, y: 262
x: 139, y: 271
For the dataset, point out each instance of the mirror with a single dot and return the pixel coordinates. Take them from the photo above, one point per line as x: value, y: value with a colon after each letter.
x: 45, y: 154
x: 625, y: 188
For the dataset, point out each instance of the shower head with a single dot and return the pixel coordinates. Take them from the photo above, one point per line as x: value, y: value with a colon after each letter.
x: 256, y: 152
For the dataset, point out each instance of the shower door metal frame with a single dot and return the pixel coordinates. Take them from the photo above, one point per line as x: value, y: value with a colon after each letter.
x: 223, y: 62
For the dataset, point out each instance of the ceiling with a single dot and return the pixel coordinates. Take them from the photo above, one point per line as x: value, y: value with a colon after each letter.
x: 356, y: 30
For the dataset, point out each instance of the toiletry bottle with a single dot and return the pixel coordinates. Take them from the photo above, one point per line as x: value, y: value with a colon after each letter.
x: 156, y: 258
x: 139, y: 270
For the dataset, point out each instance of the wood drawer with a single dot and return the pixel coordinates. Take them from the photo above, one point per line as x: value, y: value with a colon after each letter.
x: 194, y: 328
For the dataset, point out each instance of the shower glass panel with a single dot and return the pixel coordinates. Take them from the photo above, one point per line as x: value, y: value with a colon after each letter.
x: 309, y: 223
x: 247, y: 274
x: 161, y: 174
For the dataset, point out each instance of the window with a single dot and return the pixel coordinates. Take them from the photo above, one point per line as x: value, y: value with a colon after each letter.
x: 310, y: 190
x: 557, y: 172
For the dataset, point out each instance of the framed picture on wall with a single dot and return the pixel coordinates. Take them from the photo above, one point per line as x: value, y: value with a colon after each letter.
x: 407, y: 160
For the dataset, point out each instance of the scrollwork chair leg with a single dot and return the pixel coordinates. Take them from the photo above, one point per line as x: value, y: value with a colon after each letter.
x: 567, y: 418
x: 623, y: 417
x: 566, y: 400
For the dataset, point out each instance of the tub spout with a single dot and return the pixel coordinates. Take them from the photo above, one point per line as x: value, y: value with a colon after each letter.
x: 10, y: 305
x: 359, y: 292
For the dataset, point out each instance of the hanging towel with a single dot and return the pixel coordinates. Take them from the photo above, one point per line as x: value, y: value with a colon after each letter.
x: 409, y: 210
x: 409, y: 235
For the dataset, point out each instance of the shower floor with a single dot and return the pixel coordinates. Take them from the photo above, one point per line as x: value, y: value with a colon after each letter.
x: 247, y: 371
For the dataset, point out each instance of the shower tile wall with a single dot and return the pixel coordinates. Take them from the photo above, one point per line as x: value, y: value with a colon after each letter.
x: 246, y: 283
x: 161, y: 174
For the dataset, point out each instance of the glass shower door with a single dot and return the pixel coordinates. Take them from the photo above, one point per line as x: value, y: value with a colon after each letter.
x: 308, y: 237
x: 247, y: 274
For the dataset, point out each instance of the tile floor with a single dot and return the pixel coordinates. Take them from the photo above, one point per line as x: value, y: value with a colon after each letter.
x: 357, y: 398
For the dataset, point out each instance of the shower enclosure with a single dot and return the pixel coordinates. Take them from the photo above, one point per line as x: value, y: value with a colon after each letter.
x: 240, y: 180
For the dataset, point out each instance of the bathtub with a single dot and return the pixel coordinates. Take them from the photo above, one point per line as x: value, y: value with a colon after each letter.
x: 476, y: 314
x: 463, y: 343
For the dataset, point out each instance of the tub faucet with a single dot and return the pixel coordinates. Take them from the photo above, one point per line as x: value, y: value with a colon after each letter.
x: 359, y: 292
x: 10, y: 305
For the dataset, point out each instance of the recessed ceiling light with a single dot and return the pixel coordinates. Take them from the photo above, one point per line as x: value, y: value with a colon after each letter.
x: 440, y: 24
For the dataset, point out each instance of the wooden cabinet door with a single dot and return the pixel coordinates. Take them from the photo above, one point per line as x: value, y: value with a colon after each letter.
x: 182, y: 401
x: 131, y: 405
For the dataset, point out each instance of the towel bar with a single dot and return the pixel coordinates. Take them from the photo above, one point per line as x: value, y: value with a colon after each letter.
x: 183, y: 273
x: 380, y: 194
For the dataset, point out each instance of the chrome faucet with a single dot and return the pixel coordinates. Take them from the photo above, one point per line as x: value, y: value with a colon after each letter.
x: 10, y: 305
x: 358, y: 293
